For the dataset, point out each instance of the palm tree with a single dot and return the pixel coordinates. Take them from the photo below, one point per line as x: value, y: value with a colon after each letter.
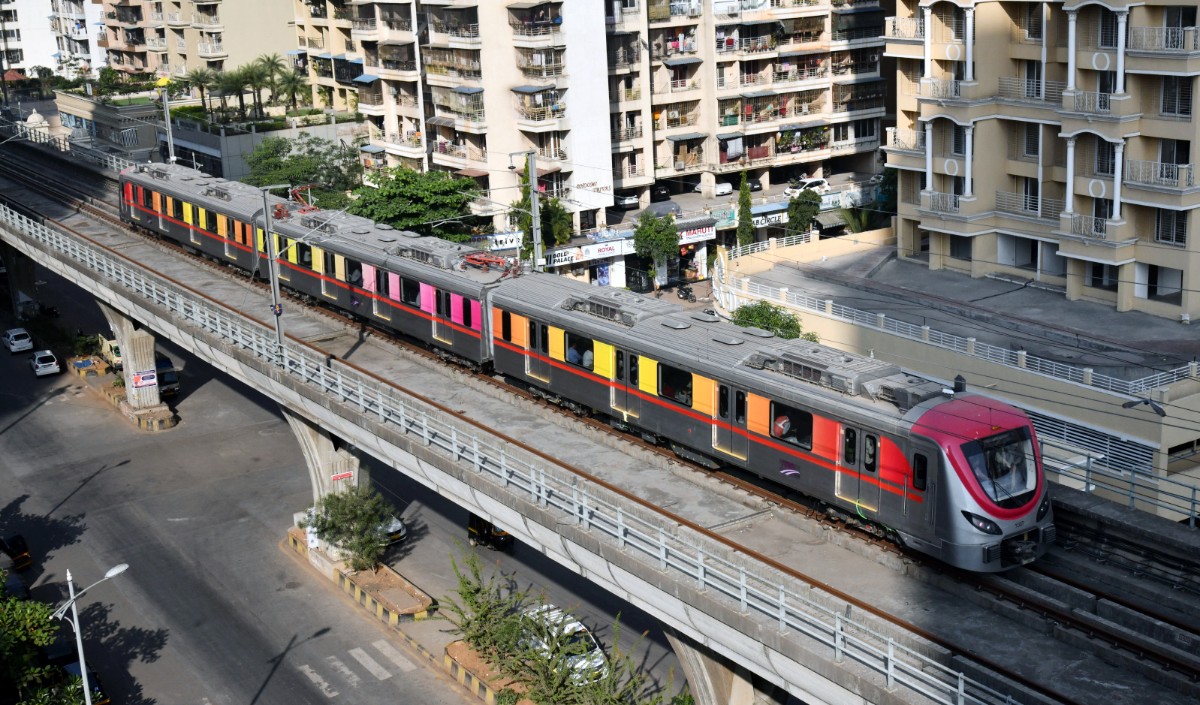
x: 202, y: 79
x: 291, y: 83
x: 258, y: 78
x: 233, y: 83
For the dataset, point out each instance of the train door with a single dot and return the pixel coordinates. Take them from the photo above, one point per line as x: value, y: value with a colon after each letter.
x: 537, y: 357
x: 729, y: 422
x: 858, y: 469
x: 625, y: 400
x: 441, y: 317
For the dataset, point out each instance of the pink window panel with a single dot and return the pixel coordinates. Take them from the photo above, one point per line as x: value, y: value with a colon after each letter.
x: 476, y: 316
x: 456, y: 308
x: 427, y: 302
x: 368, y: 277
x: 394, y: 286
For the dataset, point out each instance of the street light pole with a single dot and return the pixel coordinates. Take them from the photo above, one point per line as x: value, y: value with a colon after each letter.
x: 535, y: 217
x: 60, y: 613
x: 165, y: 84
x: 273, y: 264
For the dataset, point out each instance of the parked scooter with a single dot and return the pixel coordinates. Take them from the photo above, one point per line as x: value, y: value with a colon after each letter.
x: 685, y: 292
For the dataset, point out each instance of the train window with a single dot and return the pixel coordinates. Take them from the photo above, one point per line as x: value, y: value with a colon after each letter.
x: 304, y: 254
x: 870, y: 452
x: 208, y: 221
x: 920, y: 477
x: 633, y: 370
x: 739, y: 408
x: 621, y: 365
x: 410, y: 291
x: 441, y: 303
x: 466, y: 313
x: 176, y: 208
x: 675, y: 384
x: 791, y: 425
x: 850, y: 446
x: 506, y: 326
x: 580, y: 350
x: 723, y: 402
x: 140, y: 199
x: 354, y: 272
x: 544, y: 339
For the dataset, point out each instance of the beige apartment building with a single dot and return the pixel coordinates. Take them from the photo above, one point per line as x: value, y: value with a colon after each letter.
x: 172, y: 37
x: 1051, y: 140
x: 613, y: 96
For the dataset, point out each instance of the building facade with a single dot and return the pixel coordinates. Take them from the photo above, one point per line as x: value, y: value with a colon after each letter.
x: 689, y: 92
x: 76, y: 25
x: 26, y: 38
x: 1052, y: 141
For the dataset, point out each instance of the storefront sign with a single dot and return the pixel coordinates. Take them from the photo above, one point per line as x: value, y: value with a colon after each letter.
x: 776, y: 218
x: 708, y: 232
x: 589, y: 252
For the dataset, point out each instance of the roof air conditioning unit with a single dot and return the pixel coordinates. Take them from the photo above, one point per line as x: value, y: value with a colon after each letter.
x: 679, y: 166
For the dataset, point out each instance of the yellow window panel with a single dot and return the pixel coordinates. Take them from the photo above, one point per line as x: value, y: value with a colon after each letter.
x: 187, y: 213
x: 648, y: 376
x: 603, y: 362
x: 318, y: 256
x: 759, y: 410
x: 293, y: 252
x: 339, y: 267
x: 201, y: 218
x: 704, y: 395
x: 558, y: 346
x: 222, y: 226
x: 260, y: 240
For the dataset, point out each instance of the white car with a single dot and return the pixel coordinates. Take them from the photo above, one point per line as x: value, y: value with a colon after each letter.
x: 626, y: 201
x: 18, y: 340
x: 721, y: 188
x: 547, y: 625
x: 794, y: 189
x: 44, y: 363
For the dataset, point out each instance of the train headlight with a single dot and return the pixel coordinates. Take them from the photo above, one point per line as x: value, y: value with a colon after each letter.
x: 1044, y: 508
x: 985, y: 525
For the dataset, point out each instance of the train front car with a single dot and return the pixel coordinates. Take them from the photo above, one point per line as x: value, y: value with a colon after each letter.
x: 993, y: 509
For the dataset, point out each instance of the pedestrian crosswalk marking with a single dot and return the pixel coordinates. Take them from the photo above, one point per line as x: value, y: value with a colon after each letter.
x: 318, y: 681
x: 370, y: 664
x: 343, y: 669
x: 391, y: 654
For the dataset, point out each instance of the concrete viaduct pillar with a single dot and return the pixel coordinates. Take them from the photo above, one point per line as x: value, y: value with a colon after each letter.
x: 713, y: 680
x: 332, y: 465
x: 137, y: 356
x: 21, y: 279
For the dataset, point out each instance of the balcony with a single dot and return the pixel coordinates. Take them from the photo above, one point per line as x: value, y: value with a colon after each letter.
x: 1089, y: 226
x: 156, y: 44
x: 626, y: 134
x: 1092, y: 102
x: 1164, y: 40
x: 940, y: 88
x: 679, y: 85
x: 905, y: 140
x: 311, y: 42
x: 942, y: 202
x: 1159, y: 174
x: 1028, y: 90
x: 211, y: 50
x: 533, y: 114
x: 206, y: 22
x: 904, y: 28
x: 1028, y: 206
x: 455, y: 34
x: 179, y: 19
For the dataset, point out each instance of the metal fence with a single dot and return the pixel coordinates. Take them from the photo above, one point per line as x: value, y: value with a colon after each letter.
x: 18, y: 130
x: 659, y: 543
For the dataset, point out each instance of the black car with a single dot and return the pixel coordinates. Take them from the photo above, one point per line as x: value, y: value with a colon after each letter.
x: 755, y: 184
x: 659, y: 192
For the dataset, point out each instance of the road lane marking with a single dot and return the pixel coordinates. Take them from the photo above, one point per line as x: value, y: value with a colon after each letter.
x: 350, y: 676
x: 370, y: 664
x: 318, y: 681
x: 391, y: 654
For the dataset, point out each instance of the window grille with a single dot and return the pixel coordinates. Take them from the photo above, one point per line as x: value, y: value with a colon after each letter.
x: 1177, y: 95
x: 1170, y: 227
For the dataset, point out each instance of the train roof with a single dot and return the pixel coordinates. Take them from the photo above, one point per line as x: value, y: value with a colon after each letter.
x: 750, y: 357
x: 349, y: 235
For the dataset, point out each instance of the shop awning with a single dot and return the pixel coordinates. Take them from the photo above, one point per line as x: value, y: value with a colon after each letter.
x: 687, y: 136
x: 440, y: 121
x: 467, y: 90
x: 470, y: 173
x: 544, y: 170
x: 365, y: 78
x: 293, y: 52
x: 794, y: 52
x: 326, y: 55
x: 525, y: 4
x: 370, y: 148
x: 683, y: 61
x: 758, y: 94
x: 730, y: 135
x: 357, y: 61
x: 531, y: 89
x: 829, y: 220
x: 340, y: 57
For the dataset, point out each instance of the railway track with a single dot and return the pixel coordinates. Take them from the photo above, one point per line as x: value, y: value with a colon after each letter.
x: 1024, y: 597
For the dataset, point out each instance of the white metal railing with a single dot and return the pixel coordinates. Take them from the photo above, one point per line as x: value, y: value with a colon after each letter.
x: 1164, y: 39
x: 653, y: 539
x: 904, y: 28
x: 1030, y: 89
x: 901, y: 138
x: 1093, y: 102
x: 943, y: 202
x: 941, y: 88
x: 62, y: 144
x: 1089, y: 226
x: 1177, y: 176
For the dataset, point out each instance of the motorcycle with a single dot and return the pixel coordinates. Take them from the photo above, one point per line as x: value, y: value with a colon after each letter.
x: 685, y: 292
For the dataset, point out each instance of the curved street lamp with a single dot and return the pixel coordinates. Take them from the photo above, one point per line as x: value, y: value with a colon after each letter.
x: 61, y: 612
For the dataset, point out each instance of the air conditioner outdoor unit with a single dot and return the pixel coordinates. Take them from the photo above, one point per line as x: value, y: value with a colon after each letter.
x: 679, y: 166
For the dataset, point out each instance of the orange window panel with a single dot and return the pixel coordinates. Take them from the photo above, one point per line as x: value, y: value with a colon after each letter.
x: 222, y: 225
x: 157, y: 199
x: 825, y: 438
x: 758, y: 414
x: 518, y: 326
x: 704, y: 395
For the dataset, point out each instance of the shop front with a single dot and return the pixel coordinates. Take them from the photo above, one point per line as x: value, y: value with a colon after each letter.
x: 599, y: 263
x: 692, y: 263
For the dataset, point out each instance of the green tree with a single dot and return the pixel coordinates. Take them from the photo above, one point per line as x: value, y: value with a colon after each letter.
x: 768, y: 316
x: 351, y: 521
x: 412, y: 200
x: 655, y: 238
x: 109, y: 80
x: 291, y: 84
x: 802, y: 208
x: 484, y: 610
x: 306, y: 160
x: 745, y: 224
x: 258, y: 78
x: 886, y: 200
x: 556, y: 222
x: 25, y: 627
x: 857, y: 219
x: 202, y: 79
x: 273, y: 63
x: 233, y: 83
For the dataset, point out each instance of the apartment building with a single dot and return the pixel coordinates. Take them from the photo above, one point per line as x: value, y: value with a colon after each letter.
x: 172, y: 37
x: 687, y: 92
x: 1051, y: 141
x: 26, y: 39
x: 76, y: 25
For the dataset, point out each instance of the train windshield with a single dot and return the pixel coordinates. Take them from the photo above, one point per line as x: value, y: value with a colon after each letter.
x: 1005, y: 466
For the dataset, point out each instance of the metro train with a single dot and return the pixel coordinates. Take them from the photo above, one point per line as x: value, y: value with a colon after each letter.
x: 947, y: 472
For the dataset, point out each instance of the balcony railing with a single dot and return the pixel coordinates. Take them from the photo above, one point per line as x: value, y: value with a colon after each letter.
x: 408, y: 139
x: 628, y: 133
x: 678, y: 85
x: 910, y: 140
x: 941, y: 88
x: 1024, y: 204
x: 1176, y: 176
x: 364, y: 24
x: 534, y: 114
x: 552, y: 153
x: 904, y: 28
x: 1089, y: 226
x: 626, y: 94
x: 535, y: 29
x: 398, y: 24
x: 1166, y: 40
x: 210, y: 48
x: 158, y: 43
x: 943, y: 202
x: 206, y: 21
x: 1093, y: 102
x: 1031, y: 90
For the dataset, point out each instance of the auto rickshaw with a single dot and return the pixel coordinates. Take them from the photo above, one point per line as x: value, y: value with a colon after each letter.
x: 18, y: 551
x: 481, y: 532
